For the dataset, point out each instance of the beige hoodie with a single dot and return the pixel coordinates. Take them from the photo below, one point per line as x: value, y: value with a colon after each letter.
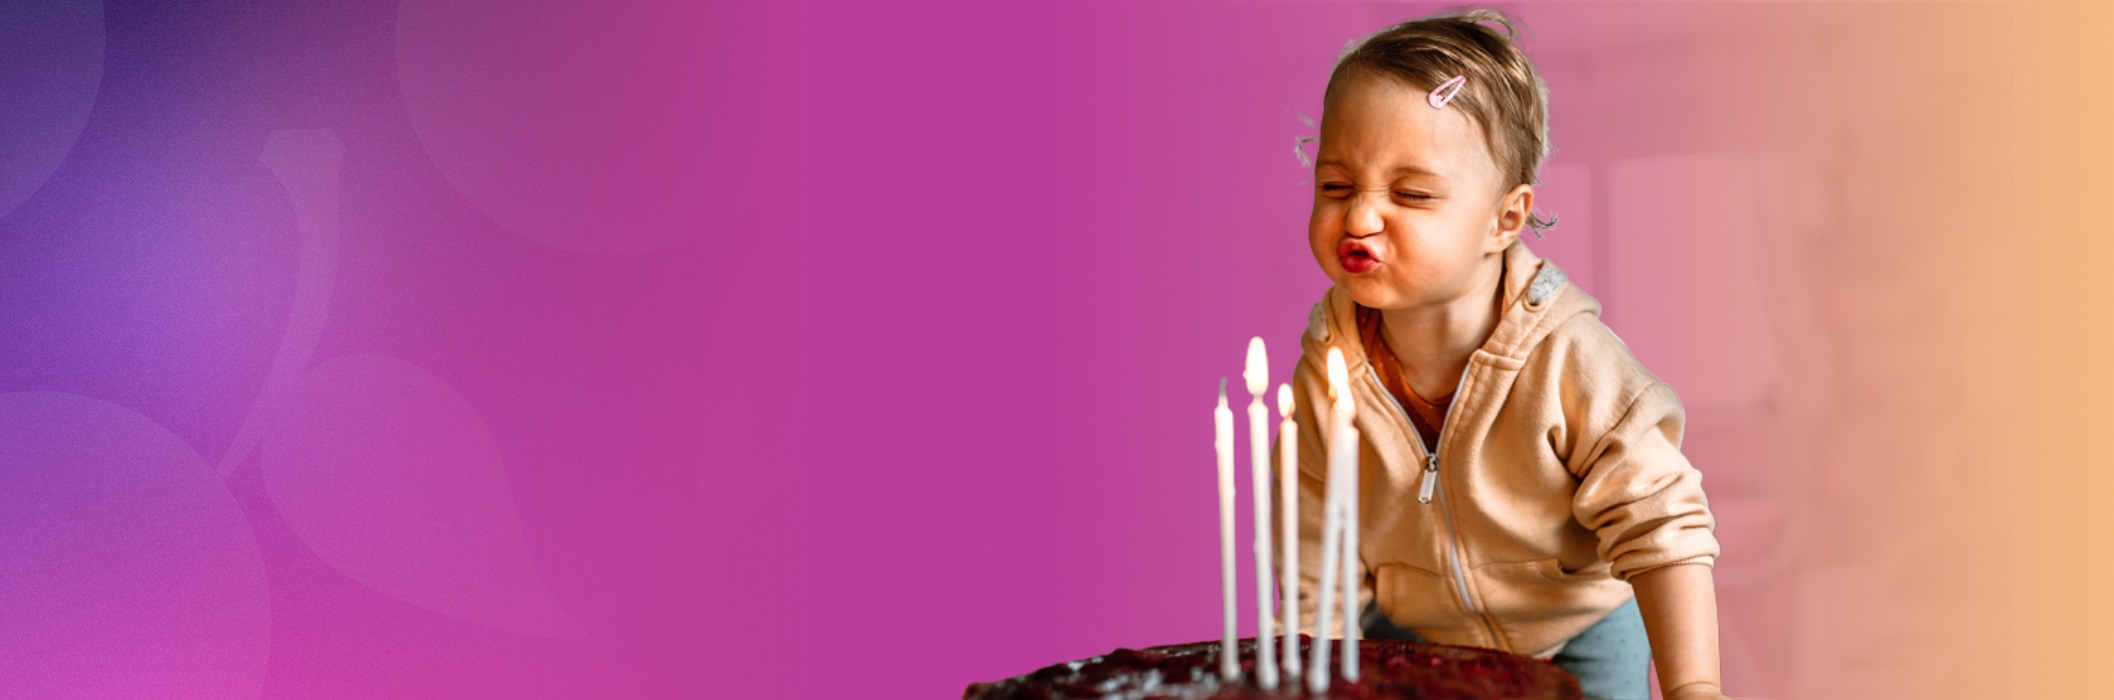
x: 1559, y: 475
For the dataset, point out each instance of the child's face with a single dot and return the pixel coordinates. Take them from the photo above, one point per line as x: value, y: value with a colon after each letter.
x: 1407, y: 200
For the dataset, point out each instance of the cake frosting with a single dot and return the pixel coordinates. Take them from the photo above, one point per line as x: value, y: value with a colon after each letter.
x: 1387, y: 669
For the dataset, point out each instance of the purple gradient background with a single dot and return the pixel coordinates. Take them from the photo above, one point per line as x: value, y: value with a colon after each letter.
x: 692, y: 350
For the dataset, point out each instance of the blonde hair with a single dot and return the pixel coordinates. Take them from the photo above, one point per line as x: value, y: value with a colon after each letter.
x: 1503, y: 95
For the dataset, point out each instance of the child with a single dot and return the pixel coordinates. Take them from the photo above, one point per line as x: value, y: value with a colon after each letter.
x: 1558, y: 517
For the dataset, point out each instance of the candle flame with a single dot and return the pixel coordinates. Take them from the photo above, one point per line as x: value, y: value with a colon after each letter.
x: 1258, y: 374
x: 1222, y: 393
x: 1284, y: 400
x: 1339, y: 379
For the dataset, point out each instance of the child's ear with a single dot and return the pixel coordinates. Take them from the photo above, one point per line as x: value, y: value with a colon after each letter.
x: 1513, y: 213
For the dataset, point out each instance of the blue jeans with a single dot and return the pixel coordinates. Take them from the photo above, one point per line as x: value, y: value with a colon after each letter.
x: 1612, y: 659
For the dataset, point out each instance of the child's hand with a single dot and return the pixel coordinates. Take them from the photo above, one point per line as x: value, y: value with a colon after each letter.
x: 1697, y: 691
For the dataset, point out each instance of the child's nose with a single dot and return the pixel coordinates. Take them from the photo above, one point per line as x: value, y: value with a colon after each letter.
x: 1363, y: 219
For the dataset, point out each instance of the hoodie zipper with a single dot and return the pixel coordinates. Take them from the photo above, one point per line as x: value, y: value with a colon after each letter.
x: 1431, y: 479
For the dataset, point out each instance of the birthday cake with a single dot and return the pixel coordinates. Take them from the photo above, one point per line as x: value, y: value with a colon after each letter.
x: 1387, y: 669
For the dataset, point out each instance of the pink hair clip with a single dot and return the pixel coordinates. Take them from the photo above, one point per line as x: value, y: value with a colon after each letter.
x: 1439, y: 101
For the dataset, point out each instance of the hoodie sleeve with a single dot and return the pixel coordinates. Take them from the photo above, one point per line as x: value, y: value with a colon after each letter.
x: 1310, y: 390
x: 1639, y: 494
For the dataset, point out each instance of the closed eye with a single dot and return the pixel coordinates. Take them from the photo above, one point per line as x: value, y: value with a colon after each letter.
x: 1339, y: 190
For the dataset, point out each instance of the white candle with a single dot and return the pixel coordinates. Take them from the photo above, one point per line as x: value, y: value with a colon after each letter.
x: 1229, y: 651
x: 1258, y: 378
x: 1288, y: 493
x: 1332, y: 518
x: 1348, y: 445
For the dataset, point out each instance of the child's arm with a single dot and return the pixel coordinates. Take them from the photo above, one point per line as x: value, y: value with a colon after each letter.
x: 1680, y: 610
x: 1644, y: 500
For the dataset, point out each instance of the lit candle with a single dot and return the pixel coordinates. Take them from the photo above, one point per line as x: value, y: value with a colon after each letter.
x: 1288, y: 493
x: 1229, y: 651
x: 1258, y: 377
x: 1332, y: 517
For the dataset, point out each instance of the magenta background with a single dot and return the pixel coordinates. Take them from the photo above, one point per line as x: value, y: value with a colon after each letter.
x: 772, y: 350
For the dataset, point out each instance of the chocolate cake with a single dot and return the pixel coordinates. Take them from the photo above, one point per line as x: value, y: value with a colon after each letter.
x: 1388, y: 669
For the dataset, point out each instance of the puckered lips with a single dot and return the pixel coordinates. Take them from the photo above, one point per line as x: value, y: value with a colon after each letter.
x: 1357, y: 258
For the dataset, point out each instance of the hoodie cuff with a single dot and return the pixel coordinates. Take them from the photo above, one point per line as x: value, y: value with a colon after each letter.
x: 1709, y: 560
